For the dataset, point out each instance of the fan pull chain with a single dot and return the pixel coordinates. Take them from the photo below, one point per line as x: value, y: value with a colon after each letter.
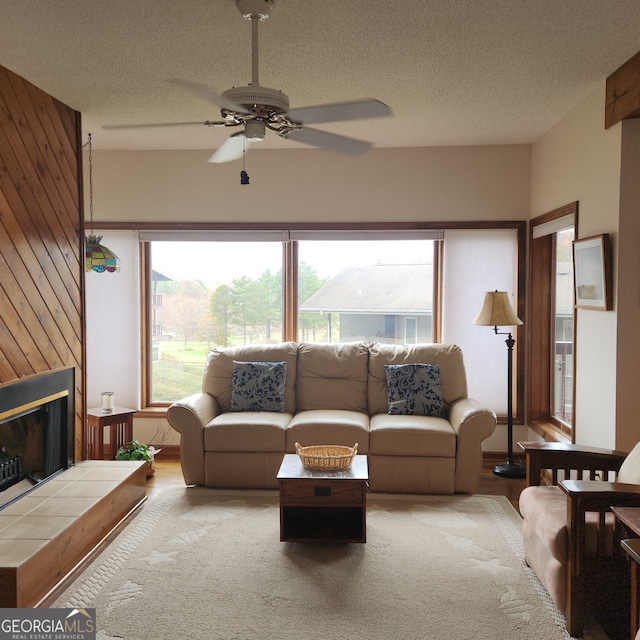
x: 244, y: 176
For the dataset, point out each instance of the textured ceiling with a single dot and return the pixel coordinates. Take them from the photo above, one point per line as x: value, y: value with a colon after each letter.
x: 455, y: 72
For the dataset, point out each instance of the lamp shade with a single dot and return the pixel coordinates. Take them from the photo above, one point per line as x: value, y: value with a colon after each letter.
x: 497, y: 311
x: 98, y: 258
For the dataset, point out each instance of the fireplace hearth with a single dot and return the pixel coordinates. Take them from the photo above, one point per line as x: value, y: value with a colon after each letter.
x: 36, y: 431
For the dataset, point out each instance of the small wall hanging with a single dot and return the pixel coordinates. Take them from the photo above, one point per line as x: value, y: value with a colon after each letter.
x: 592, y: 273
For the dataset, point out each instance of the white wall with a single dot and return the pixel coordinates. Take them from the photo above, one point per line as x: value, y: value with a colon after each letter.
x: 447, y: 183
x: 579, y: 160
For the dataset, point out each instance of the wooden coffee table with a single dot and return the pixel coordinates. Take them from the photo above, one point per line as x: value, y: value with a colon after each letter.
x: 323, y: 506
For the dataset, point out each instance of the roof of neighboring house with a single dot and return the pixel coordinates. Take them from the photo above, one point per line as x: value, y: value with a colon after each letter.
x: 159, y: 276
x: 383, y: 288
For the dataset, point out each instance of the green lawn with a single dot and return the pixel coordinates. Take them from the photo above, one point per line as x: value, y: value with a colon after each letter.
x: 179, y: 371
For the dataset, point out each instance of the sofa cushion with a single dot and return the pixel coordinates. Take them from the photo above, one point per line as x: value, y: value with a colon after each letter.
x: 329, y: 426
x: 218, y: 373
x: 252, y: 431
x: 332, y: 376
x: 403, y: 435
x: 258, y: 386
x: 453, y: 379
x: 414, y: 389
x: 544, y: 508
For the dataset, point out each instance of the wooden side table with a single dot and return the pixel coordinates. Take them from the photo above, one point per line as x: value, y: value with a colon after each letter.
x: 632, y: 549
x: 628, y: 526
x: 120, y: 421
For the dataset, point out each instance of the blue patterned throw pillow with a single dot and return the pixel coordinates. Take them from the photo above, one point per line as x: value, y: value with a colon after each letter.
x: 258, y: 386
x: 414, y: 389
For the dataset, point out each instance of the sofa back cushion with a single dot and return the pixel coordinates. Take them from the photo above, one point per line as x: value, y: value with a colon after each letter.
x: 218, y: 374
x: 453, y: 377
x: 332, y: 376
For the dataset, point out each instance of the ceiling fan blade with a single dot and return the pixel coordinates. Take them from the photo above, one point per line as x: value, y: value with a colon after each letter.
x: 354, y: 110
x: 329, y: 141
x: 209, y: 94
x: 156, y: 124
x: 231, y: 149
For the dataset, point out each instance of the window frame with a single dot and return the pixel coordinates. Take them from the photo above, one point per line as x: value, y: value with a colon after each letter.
x: 290, y: 281
x: 541, y: 318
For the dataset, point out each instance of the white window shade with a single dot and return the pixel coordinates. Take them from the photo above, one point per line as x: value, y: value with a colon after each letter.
x: 553, y: 226
x: 213, y: 236
x: 368, y: 235
x: 476, y: 261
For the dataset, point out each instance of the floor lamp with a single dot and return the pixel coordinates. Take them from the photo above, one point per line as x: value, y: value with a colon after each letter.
x: 498, y: 312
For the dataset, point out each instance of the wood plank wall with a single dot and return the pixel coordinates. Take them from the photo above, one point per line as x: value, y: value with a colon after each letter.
x: 41, y: 238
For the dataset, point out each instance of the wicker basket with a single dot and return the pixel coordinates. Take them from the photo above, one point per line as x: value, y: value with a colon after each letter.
x: 326, y: 456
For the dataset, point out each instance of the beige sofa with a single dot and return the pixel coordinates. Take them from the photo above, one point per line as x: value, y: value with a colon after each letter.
x: 334, y: 394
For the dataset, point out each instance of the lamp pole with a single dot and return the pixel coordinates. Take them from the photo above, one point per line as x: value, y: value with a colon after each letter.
x: 497, y: 312
x: 509, y: 469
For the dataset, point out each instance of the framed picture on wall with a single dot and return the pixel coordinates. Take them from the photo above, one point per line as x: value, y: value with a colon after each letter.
x: 592, y: 272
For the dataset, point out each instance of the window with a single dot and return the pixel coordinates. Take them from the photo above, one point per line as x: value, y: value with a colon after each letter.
x: 207, y: 294
x: 378, y: 290
x: 552, y: 322
x: 222, y: 288
x: 562, y: 391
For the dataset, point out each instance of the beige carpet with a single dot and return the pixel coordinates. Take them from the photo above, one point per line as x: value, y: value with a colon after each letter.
x: 207, y: 564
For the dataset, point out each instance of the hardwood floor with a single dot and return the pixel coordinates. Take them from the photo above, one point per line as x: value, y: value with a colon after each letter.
x: 493, y: 485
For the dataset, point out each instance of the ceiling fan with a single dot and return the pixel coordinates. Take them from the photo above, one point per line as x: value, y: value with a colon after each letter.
x: 256, y: 108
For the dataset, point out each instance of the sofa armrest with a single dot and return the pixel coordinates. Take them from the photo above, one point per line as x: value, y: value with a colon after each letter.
x: 193, y: 412
x: 592, y: 462
x: 610, y: 494
x: 587, y: 496
x: 473, y: 423
x: 189, y: 417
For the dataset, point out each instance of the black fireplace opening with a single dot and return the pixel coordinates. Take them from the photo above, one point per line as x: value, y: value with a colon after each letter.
x: 36, y: 432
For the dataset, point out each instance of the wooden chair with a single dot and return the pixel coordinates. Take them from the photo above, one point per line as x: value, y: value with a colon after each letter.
x: 568, y: 528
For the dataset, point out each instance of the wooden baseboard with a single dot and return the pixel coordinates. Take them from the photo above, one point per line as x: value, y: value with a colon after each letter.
x: 499, y: 456
x: 168, y: 451
x: 172, y: 452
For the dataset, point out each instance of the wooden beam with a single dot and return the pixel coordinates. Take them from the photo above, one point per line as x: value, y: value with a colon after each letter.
x: 623, y: 93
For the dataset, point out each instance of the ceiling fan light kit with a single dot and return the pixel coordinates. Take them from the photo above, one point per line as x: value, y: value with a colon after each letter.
x: 256, y: 108
x: 254, y: 131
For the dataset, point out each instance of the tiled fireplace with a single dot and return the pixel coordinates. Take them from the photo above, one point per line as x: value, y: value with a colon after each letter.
x: 62, y: 510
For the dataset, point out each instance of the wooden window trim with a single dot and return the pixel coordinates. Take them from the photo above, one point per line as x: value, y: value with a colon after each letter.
x: 540, y: 341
